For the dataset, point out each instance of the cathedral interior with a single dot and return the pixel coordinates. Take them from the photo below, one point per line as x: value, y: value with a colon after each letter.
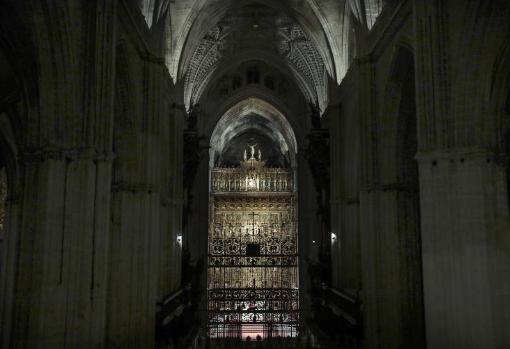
x: 255, y: 174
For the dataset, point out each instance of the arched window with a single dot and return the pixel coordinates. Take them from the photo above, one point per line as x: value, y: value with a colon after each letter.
x: 253, y: 75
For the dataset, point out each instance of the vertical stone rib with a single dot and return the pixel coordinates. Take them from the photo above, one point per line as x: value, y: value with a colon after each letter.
x: 432, y: 88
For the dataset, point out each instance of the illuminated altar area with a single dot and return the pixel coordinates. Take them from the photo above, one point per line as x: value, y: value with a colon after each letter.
x: 253, y: 286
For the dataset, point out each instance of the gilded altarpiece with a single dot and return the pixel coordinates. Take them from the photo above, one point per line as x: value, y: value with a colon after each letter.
x: 253, y: 287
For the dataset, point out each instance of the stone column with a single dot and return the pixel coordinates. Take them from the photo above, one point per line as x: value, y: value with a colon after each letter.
x: 9, y: 255
x: 62, y: 248
x: 379, y: 251
x: 369, y: 206
x: 164, y: 262
x: 463, y: 193
x: 171, y: 201
x: 345, y: 201
x: 337, y: 181
x: 131, y: 307
x: 176, y: 197
x: 466, y: 249
x: 308, y: 229
x: 136, y: 201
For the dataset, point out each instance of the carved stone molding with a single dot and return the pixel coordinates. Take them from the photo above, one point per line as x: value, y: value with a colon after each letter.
x: 234, y: 34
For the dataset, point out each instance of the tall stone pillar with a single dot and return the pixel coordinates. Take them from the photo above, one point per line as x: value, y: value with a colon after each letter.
x: 372, y: 319
x: 466, y: 249
x: 390, y: 246
x: 345, y: 249
x: 9, y: 255
x: 175, y: 204
x: 62, y: 255
x: 58, y: 258
x: 309, y: 237
x: 463, y: 192
x: 136, y: 201
x: 171, y: 154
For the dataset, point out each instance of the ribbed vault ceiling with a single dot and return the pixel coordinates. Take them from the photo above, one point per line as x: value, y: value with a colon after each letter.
x: 253, y: 115
x: 311, y: 38
x: 258, y: 29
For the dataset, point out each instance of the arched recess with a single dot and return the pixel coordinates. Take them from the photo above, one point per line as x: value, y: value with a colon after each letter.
x: 409, y: 204
x: 274, y: 61
x: 241, y: 113
x: 267, y: 103
x: 505, y: 144
x: 500, y: 101
x: 203, y: 17
x: 233, y: 35
x: 399, y: 242
x: 252, y: 213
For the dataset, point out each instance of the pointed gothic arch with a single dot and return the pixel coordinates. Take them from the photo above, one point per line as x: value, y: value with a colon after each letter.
x: 399, y: 238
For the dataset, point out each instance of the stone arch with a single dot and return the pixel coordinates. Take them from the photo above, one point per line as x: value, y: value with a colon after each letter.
x: 270, y: 59
x: 505, y: 116
x: 127, y: 123
x: 232, y: 120
x: 205, y: 16
x: 18, y: 70
x: 409, y: 203
x: 270, y: 102
x: 399, y: 181
x: 471, y: 126
x: 392, y: 123
x: 500, y: 92
x: 306, y: 63
x: 17, y: 53
x: 499, y: 100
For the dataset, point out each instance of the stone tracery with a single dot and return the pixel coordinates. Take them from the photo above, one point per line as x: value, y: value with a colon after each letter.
x: 93, y: 140
x: 248, y: 29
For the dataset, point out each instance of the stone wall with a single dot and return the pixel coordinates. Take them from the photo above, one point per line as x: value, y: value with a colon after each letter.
x: 427, y: 251
x: 96, y: 181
